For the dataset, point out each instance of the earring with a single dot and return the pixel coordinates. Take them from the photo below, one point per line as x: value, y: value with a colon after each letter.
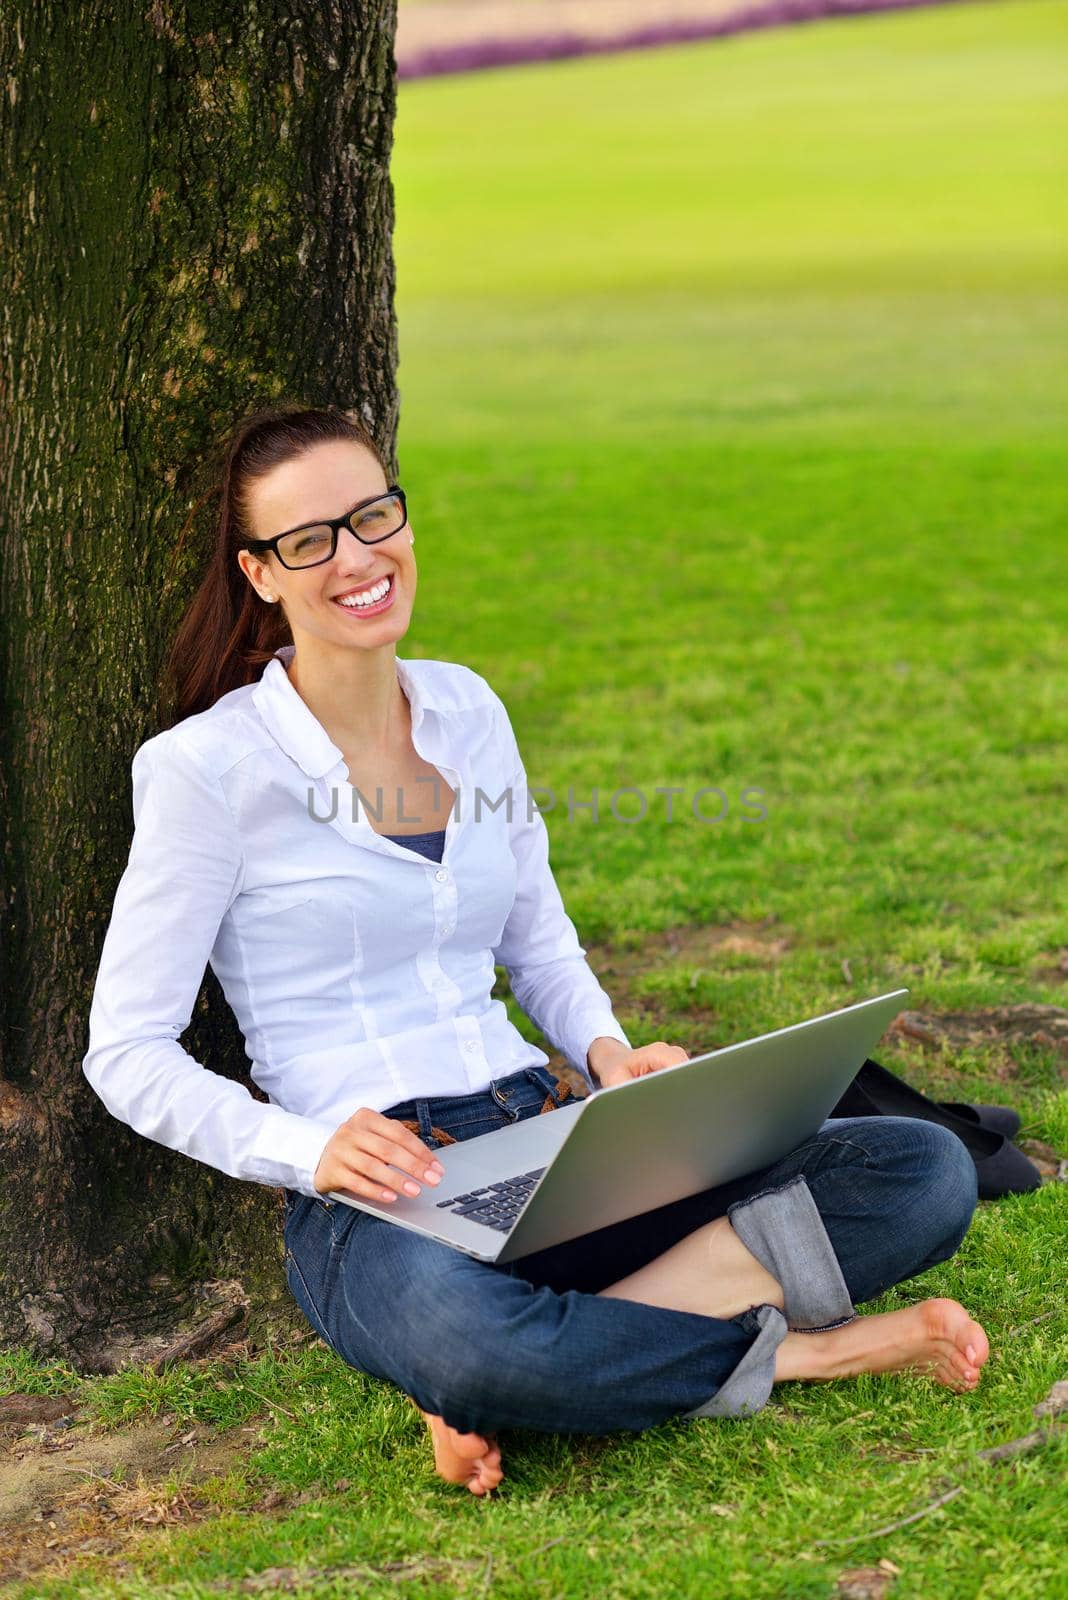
x: 412, y: 539
x: 271, y: 597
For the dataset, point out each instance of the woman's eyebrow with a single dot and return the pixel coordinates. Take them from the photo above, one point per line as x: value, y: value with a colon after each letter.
x: 365, y: 500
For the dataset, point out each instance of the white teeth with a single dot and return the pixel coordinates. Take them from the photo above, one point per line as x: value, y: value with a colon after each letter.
x: 369, y: 596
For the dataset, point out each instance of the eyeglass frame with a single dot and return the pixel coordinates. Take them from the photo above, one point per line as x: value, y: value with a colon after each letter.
x: 335, y: 524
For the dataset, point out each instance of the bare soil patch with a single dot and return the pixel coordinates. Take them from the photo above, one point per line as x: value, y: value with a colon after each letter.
x: 1057, y: 969
x: 1036, y: 1026
x: 866, y: 1583
x: 69, y: 1489
x: 693, y: 944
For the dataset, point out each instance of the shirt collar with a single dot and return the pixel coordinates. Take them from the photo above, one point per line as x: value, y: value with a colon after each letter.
x: 294, y: 727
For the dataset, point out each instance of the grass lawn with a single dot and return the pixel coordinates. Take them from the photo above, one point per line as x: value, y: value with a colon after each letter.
x: 733, y: 394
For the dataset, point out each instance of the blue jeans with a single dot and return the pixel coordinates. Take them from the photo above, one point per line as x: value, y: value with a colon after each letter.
x: 863, y: 1204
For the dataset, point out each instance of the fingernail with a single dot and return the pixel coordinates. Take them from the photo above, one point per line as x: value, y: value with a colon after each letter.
x: 438, y: 1167
x: 433, y: 1176
x: 410, y: 1186
x: 387, y: 1194
x: 970, y: 1353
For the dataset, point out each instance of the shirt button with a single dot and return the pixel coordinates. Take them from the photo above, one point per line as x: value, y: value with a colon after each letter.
x: 441, y: 875
x: 440, y: 983
x: 445, y: 932
x: 470, y: 1046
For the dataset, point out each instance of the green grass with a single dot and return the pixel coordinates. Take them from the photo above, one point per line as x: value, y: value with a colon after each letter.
x: 733, y: 403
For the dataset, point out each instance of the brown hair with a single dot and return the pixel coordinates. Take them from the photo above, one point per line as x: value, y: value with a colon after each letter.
x: 228, y: 633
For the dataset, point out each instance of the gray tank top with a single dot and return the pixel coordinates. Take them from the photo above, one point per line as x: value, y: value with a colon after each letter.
x: 431, y: 844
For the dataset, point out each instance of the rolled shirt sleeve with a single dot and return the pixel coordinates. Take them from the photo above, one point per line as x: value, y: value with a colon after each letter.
x: 539, y: 947
x: 185, y: 870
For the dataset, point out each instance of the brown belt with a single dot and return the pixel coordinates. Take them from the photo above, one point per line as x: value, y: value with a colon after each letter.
x: 564, y: 1090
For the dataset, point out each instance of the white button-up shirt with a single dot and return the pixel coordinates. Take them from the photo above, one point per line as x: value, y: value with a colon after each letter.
x: 358, y: 971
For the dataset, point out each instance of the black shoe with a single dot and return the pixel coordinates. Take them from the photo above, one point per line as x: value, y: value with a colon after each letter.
x: 999, y: 1119
x: 1000, y: 1167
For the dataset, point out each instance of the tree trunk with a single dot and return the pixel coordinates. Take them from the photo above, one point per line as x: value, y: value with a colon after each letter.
x: 197, y: 220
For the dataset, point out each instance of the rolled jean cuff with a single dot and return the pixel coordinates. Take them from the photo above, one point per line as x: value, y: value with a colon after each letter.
x: 748, y: 1387
x: 784, y: 1230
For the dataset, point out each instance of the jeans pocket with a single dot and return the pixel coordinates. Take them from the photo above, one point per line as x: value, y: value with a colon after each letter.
x: 295, y: 1199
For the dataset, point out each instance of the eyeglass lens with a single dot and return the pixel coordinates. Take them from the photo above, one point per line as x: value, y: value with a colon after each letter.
x: 374, y: 522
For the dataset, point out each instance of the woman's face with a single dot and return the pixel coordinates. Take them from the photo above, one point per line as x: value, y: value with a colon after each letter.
x: 327, y: 481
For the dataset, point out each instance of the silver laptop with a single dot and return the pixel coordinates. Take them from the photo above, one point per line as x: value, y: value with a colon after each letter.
x: 641, y: 1144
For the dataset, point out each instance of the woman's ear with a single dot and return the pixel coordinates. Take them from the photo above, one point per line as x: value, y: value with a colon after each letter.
x: 257, y: 573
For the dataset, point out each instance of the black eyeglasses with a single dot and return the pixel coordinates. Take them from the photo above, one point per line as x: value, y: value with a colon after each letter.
x: 371, y: 521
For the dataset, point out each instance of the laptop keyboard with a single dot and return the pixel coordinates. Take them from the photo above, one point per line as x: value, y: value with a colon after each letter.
x: 498, y: 1204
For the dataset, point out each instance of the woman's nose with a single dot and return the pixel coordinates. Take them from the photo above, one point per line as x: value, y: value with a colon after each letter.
x: 352, y: 554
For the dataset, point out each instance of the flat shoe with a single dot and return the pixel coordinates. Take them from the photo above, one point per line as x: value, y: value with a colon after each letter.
x: 1006, y: 1171
x: 999, y: 1119
x: 1000, y: 1168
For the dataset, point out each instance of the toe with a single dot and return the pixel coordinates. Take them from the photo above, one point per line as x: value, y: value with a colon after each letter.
x: 471, y: 1446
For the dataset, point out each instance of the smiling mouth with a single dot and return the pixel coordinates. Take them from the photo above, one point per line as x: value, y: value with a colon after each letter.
x: 367, y: 608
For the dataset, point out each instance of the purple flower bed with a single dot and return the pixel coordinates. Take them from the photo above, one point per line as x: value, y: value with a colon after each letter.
x: 473, y: 57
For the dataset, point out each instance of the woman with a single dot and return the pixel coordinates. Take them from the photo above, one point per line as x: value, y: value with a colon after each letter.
x: 313, y: 830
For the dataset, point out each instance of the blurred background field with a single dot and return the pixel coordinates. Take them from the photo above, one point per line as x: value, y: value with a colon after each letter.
x: 733, y: 402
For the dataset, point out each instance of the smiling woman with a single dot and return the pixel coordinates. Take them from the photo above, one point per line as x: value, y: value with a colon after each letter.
x: 278, y: 465
x: 359, y: 958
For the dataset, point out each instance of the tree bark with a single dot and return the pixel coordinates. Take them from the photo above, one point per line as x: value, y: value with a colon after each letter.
x: 197, y: 220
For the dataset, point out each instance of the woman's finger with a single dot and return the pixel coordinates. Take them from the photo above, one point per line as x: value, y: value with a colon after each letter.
x: 398, y: 1154
x: 381, y: 1173
x: 394, y: 1133
x: 355, y: 1184
x: 662, y: 1054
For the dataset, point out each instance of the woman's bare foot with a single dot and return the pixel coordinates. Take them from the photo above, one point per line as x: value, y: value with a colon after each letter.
x: 465, y: 1458
x: 937, y: 1337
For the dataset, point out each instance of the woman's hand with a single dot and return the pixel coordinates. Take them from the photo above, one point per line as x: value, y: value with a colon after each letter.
x: 622, y: 1063
x: 359, y: 1158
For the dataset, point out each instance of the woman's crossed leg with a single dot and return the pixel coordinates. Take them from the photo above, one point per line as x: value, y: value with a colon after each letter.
x: 753, y: 1283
